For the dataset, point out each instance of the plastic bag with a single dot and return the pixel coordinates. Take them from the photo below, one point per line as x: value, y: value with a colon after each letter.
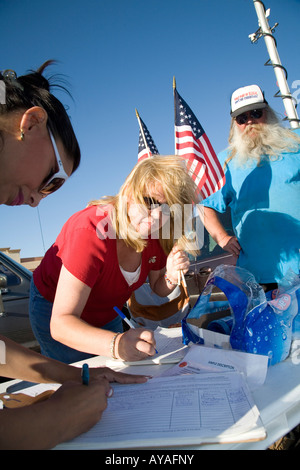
x: 261, y: 325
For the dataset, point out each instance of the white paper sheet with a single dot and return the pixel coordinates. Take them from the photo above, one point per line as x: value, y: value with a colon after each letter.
x: 201, y: 359
x: 181, y: 410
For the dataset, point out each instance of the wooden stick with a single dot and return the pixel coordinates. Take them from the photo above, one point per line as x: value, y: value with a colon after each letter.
x: 183, y: 278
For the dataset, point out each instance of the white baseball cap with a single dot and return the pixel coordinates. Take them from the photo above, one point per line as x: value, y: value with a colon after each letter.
x: 247, y: 98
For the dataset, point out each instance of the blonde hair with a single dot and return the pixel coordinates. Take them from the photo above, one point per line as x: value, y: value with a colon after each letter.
x: 178, y: 187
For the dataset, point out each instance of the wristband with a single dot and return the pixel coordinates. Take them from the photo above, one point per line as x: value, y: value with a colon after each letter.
x: 169, y: 281
x: 112, y: 346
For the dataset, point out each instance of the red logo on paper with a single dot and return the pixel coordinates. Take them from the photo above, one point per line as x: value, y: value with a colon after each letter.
x: 183, y: 364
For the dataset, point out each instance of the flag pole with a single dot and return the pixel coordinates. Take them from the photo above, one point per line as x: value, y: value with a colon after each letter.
x: 180, y: 273
x: 142, y: 132
x: 174, y: 88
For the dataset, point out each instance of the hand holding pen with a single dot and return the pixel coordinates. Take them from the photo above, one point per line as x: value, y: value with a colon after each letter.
x: 136, y: 343
x: 85, y: 377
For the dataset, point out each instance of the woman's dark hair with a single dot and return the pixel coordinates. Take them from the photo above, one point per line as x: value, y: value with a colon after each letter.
x: 33, y: 89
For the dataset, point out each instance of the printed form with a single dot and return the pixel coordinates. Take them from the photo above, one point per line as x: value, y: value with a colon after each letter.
x: 181, y: 410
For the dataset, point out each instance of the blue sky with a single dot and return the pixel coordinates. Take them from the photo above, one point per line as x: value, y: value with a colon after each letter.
x: 118, y: 55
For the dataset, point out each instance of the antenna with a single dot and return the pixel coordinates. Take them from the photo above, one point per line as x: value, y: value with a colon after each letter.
x: 264, y: 30
x: 41, y: 229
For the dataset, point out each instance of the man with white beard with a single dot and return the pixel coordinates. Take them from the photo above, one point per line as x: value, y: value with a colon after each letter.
x: 262, y: 189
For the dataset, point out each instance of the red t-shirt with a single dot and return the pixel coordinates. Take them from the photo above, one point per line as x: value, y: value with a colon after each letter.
x: 87, y: 248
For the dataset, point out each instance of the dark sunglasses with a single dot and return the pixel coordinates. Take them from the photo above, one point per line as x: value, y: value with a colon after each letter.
x: 254, y: 114
x: 152, y: 204
x: 56, y: 180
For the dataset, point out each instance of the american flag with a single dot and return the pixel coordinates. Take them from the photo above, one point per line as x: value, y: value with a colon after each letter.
x: 147, y: 147
x: 192, y: 143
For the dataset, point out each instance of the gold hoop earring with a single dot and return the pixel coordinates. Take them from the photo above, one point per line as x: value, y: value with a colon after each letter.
x: 22, y: 135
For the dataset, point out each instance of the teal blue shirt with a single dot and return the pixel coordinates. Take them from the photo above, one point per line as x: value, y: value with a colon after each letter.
x: 265, y: 209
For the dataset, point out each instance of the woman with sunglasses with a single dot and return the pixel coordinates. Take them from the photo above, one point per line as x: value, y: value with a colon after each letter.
x: 37, y: 135
x: 38, y: 151
x: 102, y: 255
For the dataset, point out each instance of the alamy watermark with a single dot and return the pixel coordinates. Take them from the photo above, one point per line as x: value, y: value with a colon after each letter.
x: 2, y: 92
x: 2, y: 353
x: 295, y: 351
x: 296, y: 93
x: 187, y: 221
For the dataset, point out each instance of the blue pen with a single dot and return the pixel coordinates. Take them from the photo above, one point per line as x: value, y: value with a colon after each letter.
x: 119, y: 312
x: 126, y: 320
x: 85, y: 375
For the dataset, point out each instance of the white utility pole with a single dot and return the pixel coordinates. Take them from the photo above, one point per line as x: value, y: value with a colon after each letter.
x: 280, y: 72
